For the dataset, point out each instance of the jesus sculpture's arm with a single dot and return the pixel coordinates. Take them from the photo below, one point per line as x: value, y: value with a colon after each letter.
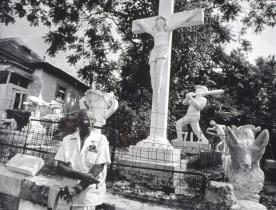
x: 182, y: 21
x: 147, y: 28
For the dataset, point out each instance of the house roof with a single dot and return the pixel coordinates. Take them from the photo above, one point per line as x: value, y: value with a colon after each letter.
x: 15, y: 50
x: 61, y: 74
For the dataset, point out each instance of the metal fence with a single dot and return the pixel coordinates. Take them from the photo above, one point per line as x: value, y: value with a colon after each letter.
x: 42, y: 139
x: 38, y: 138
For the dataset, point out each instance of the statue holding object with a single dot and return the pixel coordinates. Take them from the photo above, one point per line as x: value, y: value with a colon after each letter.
x: 196, y: 101
x: 102, y: 105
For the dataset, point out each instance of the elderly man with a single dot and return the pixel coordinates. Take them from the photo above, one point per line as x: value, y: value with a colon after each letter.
x: 82, y: 159
x: 192, y: 117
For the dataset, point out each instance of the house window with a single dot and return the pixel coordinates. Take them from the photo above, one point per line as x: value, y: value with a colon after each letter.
x: 3, y: 77
x: 19, y: 99
x: 60, y: 93
x: 19, y: 80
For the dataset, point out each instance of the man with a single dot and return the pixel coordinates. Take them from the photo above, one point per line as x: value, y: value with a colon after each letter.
x: 82, y: 159
x: 192, y: 117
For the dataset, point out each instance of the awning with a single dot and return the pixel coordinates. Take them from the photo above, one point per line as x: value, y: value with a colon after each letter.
x: 3, y: 67
x: 22, y: 73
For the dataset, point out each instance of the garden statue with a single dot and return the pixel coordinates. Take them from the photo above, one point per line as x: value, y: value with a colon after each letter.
x: 196, y: 101
x: 218, y: 131
x: 161, y: 28
x: 161, y: 33
x: 242, y: 165
x: 102, y: 105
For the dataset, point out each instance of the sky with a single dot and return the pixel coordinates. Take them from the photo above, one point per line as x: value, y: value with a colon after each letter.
x: 33, y: 37
x: 264, y: 43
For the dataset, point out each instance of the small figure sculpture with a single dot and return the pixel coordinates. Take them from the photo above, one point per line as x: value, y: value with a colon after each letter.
x: 192, y: 117
x: 102, y: 105
x: 218, y: 131
x: 242, y: 165
x: 160, y: 51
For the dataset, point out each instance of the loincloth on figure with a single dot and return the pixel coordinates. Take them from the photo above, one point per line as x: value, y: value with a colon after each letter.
x: 158, y: 52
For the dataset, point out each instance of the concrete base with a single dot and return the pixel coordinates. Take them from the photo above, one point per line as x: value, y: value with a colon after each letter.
x: 31, y: 192
x: 188, y: 147
x: 150, y: 162
x: 25, y: 164
x: 153, y: 174
x: 248, y: 205
x: 153, y: 154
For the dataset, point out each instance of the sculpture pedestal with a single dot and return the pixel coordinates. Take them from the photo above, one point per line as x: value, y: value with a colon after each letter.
x: 151, y: 162
x: 248, y: 205
x: 247, y: 184
x: 189, y: 147
x: 21, y: 192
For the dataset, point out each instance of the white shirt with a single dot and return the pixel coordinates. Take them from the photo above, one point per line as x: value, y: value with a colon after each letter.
x: 95, y: 150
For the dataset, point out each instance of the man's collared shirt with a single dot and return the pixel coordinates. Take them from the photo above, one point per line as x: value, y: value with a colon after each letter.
x: 95, y: 150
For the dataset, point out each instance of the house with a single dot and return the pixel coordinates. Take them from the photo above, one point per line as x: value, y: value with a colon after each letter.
x: 30, y: 85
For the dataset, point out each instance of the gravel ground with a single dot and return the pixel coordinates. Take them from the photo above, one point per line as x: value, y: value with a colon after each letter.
x: 268, y: 195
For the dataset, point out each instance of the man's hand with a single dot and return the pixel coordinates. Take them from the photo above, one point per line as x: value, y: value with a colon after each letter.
x: 87, y: 177
x: 67, y: 193
x: 189, y: 95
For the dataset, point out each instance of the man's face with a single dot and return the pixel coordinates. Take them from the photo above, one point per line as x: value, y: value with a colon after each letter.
x: 85, y: 121
x: 160, y: 24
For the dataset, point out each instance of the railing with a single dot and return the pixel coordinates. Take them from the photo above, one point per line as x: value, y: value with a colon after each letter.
x: 42, y: 139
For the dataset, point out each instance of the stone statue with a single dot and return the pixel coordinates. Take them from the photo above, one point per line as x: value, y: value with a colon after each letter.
x: 242, y: 165
x: 161, y: 33
x: 192, y: 117
x: 218, y: 131
x: 102, y: 105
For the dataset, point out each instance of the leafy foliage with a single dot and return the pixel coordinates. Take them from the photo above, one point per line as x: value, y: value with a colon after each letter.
x: 86, y: 29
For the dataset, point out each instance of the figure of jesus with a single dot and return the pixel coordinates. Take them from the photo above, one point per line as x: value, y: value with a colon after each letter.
x: 159, y: 53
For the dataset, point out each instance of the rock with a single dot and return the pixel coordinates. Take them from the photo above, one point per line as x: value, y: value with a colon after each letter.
x: 35, y: 193
x: 247, y: 184
x: 220, y: 193
x: 8, y: 202
x: 248, y: 205
x: 122, y: 183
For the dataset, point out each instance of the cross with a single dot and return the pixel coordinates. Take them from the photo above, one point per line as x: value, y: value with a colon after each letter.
x: 159, y: 112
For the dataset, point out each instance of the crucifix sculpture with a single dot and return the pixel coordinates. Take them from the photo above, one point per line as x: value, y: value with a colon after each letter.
x: 161, y: 28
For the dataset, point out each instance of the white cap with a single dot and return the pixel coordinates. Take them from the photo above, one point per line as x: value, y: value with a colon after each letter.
x: 201, y: 87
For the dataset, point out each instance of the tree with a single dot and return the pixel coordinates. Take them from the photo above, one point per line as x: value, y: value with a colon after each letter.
x: 85, y: 28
